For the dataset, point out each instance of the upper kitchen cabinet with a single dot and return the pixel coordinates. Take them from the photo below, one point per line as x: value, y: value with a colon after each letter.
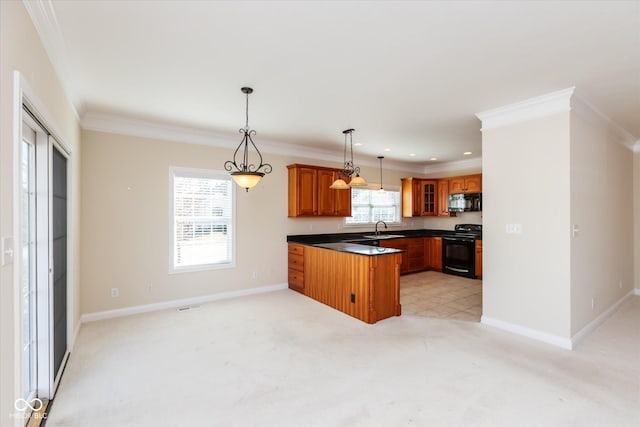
x: 310, y: 195
x: 411, y: 200
x: 465, y: 184
x: 443, y: 198
x: 429, y: 197
x: 419, y: 197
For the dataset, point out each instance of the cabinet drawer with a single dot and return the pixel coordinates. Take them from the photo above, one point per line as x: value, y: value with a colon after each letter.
x: 296, y: 249
x: 296, y: 279
x: 296, y: 262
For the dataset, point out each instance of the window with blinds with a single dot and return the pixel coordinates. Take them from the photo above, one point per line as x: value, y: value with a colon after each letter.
x: 203, y: 219
x: 369, y: 206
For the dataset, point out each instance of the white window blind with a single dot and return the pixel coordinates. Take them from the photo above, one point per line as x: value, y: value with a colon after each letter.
x: 369, y: 206
x: 203, y: 219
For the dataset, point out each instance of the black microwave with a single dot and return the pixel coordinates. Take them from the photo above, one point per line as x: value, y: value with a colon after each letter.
x: 465, y: 202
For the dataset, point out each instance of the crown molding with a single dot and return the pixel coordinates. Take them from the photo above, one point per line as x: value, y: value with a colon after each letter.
x: 532, y: 108
x: 120, y: 125
x: 457, y: 166
x: 584, y: 109
x: 43, y: 16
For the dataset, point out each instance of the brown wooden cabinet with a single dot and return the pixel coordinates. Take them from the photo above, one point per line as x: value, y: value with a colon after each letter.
x: 402, y: 244
x: 420, y: 253
x: 433, y: 256
x: 479, y: 259
x: 428, y: 197
x: 443, y: 198
x: 416, y: 254
x: 365, y: 287
x: 296, y: 267
x: 411, y: 200
x: 465, y: 184
x: 419, y: 197
x: 310, y: 195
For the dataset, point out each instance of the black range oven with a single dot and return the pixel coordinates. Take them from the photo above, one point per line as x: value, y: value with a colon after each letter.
x: 459, y: 250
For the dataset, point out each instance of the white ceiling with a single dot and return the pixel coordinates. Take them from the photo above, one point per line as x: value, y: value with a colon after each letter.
x: 408, y: 76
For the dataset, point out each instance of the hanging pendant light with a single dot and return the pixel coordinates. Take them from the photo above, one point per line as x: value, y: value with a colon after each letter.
x: 348, y: 169
x: 381, y: 188
x: 243, y: 172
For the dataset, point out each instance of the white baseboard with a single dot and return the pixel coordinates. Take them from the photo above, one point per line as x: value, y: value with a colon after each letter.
x: 74, y: 339
x: 591, y: 326
x: 109, y: 314
x: 556, y: 340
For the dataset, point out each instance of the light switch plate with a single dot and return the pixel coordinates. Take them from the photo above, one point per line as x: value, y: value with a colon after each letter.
x: 6, y: 249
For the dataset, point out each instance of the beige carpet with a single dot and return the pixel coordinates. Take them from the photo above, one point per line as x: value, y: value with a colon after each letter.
x: 281, y: 359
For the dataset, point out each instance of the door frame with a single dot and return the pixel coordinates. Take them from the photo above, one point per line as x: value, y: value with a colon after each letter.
x: 24, y: 95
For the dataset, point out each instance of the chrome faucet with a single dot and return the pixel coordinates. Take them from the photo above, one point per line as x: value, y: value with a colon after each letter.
x: 385, y: 227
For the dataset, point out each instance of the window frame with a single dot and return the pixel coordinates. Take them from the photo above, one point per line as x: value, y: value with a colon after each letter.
x: 376, y: 187
x: 175, y: 171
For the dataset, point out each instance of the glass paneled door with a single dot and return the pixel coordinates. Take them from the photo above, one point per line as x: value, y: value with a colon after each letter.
x: 59, y: 264
x: 28, y: 260
x: 43, y: 203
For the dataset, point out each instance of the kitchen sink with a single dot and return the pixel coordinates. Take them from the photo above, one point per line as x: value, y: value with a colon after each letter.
x: 383, y: 236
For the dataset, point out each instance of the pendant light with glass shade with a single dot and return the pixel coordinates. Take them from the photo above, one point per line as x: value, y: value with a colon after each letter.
x: 348, y: 169
x: 381, y: 190
x: 243, y: 172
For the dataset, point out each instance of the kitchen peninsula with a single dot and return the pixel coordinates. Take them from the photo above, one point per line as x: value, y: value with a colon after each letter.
x: 359, y: 280
x: 359, y: 274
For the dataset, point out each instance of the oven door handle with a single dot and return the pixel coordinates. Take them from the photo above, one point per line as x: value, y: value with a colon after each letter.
x: 458, y: 239
x: 459, y: 270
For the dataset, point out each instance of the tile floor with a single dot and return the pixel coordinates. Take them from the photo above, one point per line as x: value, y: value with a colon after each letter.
x: 434, y: 294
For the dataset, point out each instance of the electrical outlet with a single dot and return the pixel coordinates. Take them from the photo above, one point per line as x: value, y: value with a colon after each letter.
x: 254, y: 275
x: 149, y: 286
x: 513, y: 228
x: 353, y: 298
x: 115, y: 292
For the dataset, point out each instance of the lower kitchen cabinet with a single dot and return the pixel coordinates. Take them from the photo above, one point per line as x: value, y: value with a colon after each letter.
x: 420, y: 253
x: 434, y: 260
x: 479, y: 259
x: 416, y: 254
x: 364, y: 287
x: 296, y: 267
x: 402, y: 244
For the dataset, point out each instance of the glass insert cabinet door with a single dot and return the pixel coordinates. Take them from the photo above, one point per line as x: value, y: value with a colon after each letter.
x: 429, y: 194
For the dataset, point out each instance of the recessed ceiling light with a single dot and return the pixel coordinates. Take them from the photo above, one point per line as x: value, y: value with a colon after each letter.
x: 433, y: 158
x: 387, y: 149
x: 358, y: 144
x: 412, y: 155
x: 466, y: 153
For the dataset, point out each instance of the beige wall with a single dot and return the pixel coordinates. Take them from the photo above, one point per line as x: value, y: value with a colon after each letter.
x: 601, y: 208
x: 526, y: 181
x: 20, y: 49
x: 125, y: 233
x: 636, y: 216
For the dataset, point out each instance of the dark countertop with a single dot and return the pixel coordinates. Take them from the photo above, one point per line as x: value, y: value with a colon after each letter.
x: 311, y: 239
x: 354, y: 248
x: 358, y: 243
